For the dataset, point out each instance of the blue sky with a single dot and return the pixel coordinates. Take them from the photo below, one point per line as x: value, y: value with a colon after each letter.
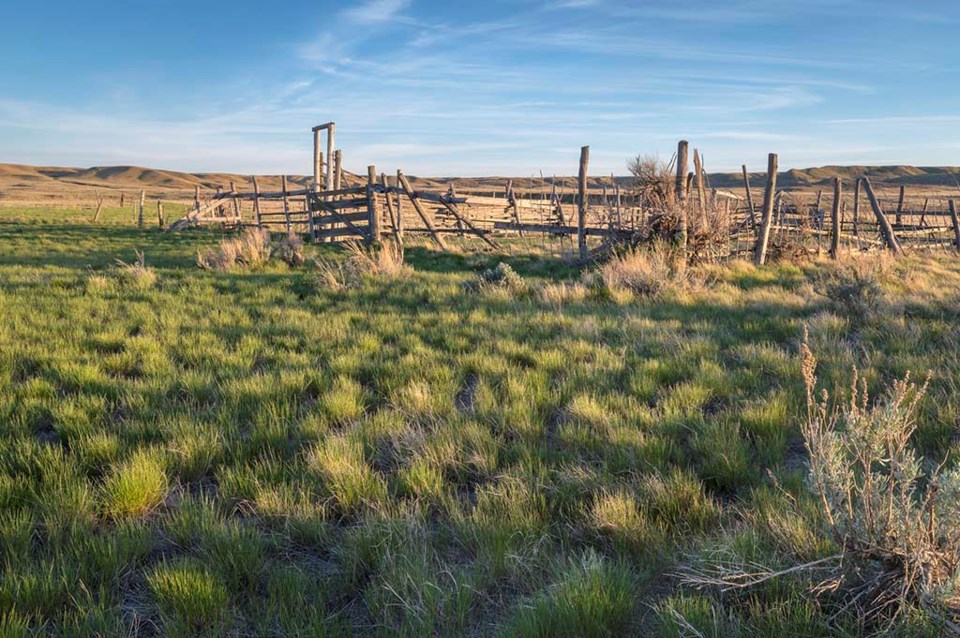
x: 482, y: 88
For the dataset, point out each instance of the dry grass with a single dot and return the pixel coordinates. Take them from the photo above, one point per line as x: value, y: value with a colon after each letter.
x: 649, y: 271
x: 384, y: 262
x: 250, y: 250
x: 137, y: 274
x: 289, y: 250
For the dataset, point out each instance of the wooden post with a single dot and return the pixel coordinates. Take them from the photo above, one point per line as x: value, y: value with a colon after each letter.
x: 386, y: 197
x: 122, y: 195
x: 701, y: 193
x: 256, y: 202
x: 337, y: 169
x: 237, y: 212
x: 373, y: 210
x: 286, y: 203
x: 582, y: 202
x: 681, y: 187
x: 331, y: 127
x: 956, y: 225
x: 417, y: 207
x: 835, y: 219
x: 399, y: 209
x: 96, y: 215
x: 143, y: 199
x: 856, y: 207
x: 923, y: 214
x: 885, y: 228
x: 160, y: 214
x: 317, y: 160
x: 746, y: 186
x: 903, y: 192
x: 763, y: 238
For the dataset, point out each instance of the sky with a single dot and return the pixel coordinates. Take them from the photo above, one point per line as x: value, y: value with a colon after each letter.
x: 501, y: 87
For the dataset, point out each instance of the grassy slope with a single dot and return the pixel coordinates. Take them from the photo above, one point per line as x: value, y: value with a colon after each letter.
x: 245, y: 453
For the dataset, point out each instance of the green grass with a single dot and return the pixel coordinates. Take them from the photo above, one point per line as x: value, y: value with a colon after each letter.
x: 249, y: 453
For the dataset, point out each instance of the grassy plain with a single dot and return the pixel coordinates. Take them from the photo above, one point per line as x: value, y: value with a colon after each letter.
x: 252, y: 453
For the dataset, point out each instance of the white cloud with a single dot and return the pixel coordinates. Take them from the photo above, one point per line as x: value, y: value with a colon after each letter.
x: 374, y: 11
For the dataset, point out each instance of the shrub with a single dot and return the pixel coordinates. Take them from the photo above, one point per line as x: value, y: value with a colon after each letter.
x: 648, y: 271
x: 290, y: 250
x: 136, y: 275
x: 250, y: 250
x: 854, y: 288
x: 562, y: 293
x: 502, y: 277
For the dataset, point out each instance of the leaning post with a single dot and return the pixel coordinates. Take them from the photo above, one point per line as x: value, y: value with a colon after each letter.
x: 885, y: 228
x: 763, y: 237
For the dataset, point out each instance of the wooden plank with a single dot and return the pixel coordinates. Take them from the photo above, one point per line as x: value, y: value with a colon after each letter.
x: 390, y: 212
x: 551, y: 229
x: 340, y: 217
x: 763, y: 238
x: 286, y: 203
x: 835, y: 219
x: 405, y: 185
x: 335, y: 233
x: 325, y: 206
x: 885, y: 228
x: 582, y: 202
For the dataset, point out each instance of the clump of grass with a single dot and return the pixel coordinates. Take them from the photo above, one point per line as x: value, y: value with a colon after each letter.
x: 289, y: 250
x: 617, y: 515
x: 592, y: 598
x: 384, y: 262
x: 97, y: 284
x: 649, y: 271
x: 136, y: 275
x: 855, y: 288
x: 136, y: 486
x: 250, y: 250
x: 558, y: 294
x: 191, y: 600
x: 351, y: 481
x: 501, y: 277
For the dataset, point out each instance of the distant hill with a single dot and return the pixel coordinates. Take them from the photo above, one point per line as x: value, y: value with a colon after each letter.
x: 19, y: 182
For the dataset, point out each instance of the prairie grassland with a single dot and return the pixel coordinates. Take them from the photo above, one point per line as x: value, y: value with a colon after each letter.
x: 253, y: 452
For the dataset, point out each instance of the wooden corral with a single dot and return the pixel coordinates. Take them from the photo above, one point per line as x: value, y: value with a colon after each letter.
x: 712, y: 223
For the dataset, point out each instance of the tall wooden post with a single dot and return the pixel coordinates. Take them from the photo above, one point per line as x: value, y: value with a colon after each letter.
x: 143, y: 199
x: 373, y: 210
x: 956, y: 225
x: 399, y: 208
x: 122, y: 195
x: 582, y: 196
x: 885, y: 228
x: 317, y: 159
x: 856, y: 207
x: 682, y: 159
x: 160, y: 214
x: 701, y: 192
x: 835, y: 219
x: 746, y: 187
x: 337, y: 169
x: 331, y: 127
x: 286, y: 203
x: 763, y: 238
x: 256, y: 202
x: 903, y: 193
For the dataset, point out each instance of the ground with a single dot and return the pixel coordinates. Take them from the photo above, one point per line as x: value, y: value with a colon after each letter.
x: 191, y: 452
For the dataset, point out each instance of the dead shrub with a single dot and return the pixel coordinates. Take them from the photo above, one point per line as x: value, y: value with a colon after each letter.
x: 289, y: 250
x: 502, y: 277
x: 250, y: 250
x: 653, y: 180
x: 855, y: 287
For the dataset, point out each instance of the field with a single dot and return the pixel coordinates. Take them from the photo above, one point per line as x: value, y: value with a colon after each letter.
x: 252, y: 452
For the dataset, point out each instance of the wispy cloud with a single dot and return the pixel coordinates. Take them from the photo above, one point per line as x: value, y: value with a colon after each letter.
x: 374, y: 11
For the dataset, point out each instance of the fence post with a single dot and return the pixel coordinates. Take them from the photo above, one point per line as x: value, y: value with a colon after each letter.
x: 956, y: 225
x: 885, y: 228
x: 746, y: 186
x: 286, y: 204
x: 143, y: 199
x: 903, y: 192
x: 835, y: 219
x: 763, y: 237
x: 682, y: 183
x: 399, y: 208
x: 256, y: 202
x: 856, y: 207
x: 372, y: 209
x: 160, y: 214
x: 582, y: 196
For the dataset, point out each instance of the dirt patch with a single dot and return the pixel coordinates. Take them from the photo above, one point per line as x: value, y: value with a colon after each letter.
x: 466, y: 398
